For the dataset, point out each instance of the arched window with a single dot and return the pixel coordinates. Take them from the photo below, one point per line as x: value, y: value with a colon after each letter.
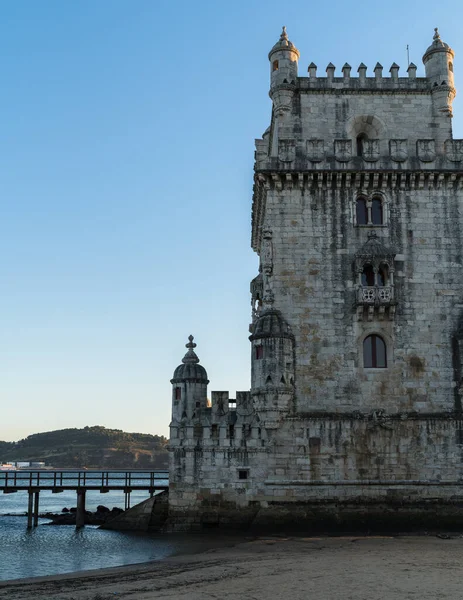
x: 377, y: 211
x: 383, y: 276
x: 374, y: 352
x: 368, y: 276
x: 360, y: 143
x: 362, y: 211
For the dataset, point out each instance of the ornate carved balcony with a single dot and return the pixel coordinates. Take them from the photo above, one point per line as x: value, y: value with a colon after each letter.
x: 375, y: 299
x: 375, y: 294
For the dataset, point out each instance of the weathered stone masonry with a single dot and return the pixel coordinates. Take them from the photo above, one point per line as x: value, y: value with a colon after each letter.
x: 354, y: 413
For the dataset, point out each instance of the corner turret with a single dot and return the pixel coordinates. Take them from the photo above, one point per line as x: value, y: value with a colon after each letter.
x: 283, y: 59
x: 272, y: 367
x: 438, y: 62
x: 189, y: 386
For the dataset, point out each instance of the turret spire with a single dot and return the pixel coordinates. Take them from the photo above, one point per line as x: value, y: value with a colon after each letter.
x: 284, y: 35
x: 190, y: 357
x: 436, y: 34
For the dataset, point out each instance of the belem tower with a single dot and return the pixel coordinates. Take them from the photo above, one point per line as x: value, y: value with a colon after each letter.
x: 354, y: 416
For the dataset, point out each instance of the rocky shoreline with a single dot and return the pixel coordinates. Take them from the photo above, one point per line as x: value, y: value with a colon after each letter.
x: 67, y: 516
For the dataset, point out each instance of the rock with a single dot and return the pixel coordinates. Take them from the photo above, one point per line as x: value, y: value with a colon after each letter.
x: 65, y: 510
x: 102, y: 509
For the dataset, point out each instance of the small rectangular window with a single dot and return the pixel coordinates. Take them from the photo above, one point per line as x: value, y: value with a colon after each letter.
x: 259, y: 352
x: 242, y: 474
x: 231, y: 431
x: 178, y: 393
x: 214, y: 431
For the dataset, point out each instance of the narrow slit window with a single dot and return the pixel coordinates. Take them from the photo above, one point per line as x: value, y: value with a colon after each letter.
x: 259, y: 352
x: 214, y: 431
x: 362, y: 211
x: 374, y: 352
x: 231, y: 431
x: 275, y: 65
x: 178, y: 393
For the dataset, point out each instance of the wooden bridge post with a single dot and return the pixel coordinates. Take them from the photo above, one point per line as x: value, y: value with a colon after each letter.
x: 29, y: 509
x: 80, y: 513
x: 36, y: 508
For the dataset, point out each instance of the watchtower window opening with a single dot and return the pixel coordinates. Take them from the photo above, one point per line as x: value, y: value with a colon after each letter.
x: 198, y: 431
x: 178, y: 393
x: 231, y: 431
x: 377, y: 211
x: 242, y: 474
x: 362, y: 211
x: 259, y: 352
x: 451, y: 67
x: 275, y: 65
x: 374, y: 352
x: 214, y: 431
x: 368, y: 276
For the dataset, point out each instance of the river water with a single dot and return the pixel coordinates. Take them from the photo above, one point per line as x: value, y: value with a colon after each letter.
x: 51, y: 550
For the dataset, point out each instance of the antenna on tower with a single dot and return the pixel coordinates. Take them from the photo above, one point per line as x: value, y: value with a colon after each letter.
x: 408, y: 56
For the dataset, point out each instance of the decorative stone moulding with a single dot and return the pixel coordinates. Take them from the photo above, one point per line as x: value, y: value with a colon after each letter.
x: 454, y: 150
x: 371, y: 150
x: 343, y: 150
x: 398, y: 150
x: 287, y: 150
x: 315, y: 150
x: 426, y: 150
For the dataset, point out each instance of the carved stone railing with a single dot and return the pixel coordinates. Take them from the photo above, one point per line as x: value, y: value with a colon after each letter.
x: 375, y: 295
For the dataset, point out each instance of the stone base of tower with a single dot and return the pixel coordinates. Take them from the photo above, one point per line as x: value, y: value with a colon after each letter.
x: 329, y: 473
x: 411, y: 510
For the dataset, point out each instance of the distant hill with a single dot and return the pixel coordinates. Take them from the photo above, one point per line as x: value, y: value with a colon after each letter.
x: 93, y: 447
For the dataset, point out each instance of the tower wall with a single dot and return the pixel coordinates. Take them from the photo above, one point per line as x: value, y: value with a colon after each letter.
x: 354, y: 418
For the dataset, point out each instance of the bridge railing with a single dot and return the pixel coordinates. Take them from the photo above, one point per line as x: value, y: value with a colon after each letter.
x: 88, y: 479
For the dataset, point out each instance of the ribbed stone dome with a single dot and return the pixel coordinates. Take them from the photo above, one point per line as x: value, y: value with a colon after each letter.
x: 283, y: 44
x: 271, y: 324
x: 437, y: 46
x: 190, y: 370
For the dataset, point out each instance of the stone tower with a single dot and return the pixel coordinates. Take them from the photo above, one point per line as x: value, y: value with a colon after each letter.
x: 357, y: 313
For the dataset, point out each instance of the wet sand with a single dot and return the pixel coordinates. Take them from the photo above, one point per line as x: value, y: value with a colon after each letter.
x: 347, y: 568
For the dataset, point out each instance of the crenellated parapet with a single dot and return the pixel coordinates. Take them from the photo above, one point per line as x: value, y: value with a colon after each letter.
x: 347, y: 81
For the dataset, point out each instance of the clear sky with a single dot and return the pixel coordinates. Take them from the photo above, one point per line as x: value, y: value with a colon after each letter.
x: 126, y: 157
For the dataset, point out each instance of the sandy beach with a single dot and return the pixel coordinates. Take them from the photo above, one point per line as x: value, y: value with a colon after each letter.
x: 357, y: 568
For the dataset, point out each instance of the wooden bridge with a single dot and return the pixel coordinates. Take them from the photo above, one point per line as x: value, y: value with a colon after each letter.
x: 81, y: 481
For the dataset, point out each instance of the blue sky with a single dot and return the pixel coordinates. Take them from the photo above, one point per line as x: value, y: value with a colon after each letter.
x: 126, y: 161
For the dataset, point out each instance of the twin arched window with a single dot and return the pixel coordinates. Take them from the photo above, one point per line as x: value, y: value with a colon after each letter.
x: 369, y: 212
x: 369, y: 279
x: 374, y: 352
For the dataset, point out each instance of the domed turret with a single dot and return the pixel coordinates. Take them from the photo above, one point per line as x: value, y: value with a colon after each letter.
x: 189, y: 386
x: 283, y: 59
x: 438, y: 62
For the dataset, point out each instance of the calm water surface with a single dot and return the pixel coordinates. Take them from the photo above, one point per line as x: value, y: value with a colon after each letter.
x: 51, y: 550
